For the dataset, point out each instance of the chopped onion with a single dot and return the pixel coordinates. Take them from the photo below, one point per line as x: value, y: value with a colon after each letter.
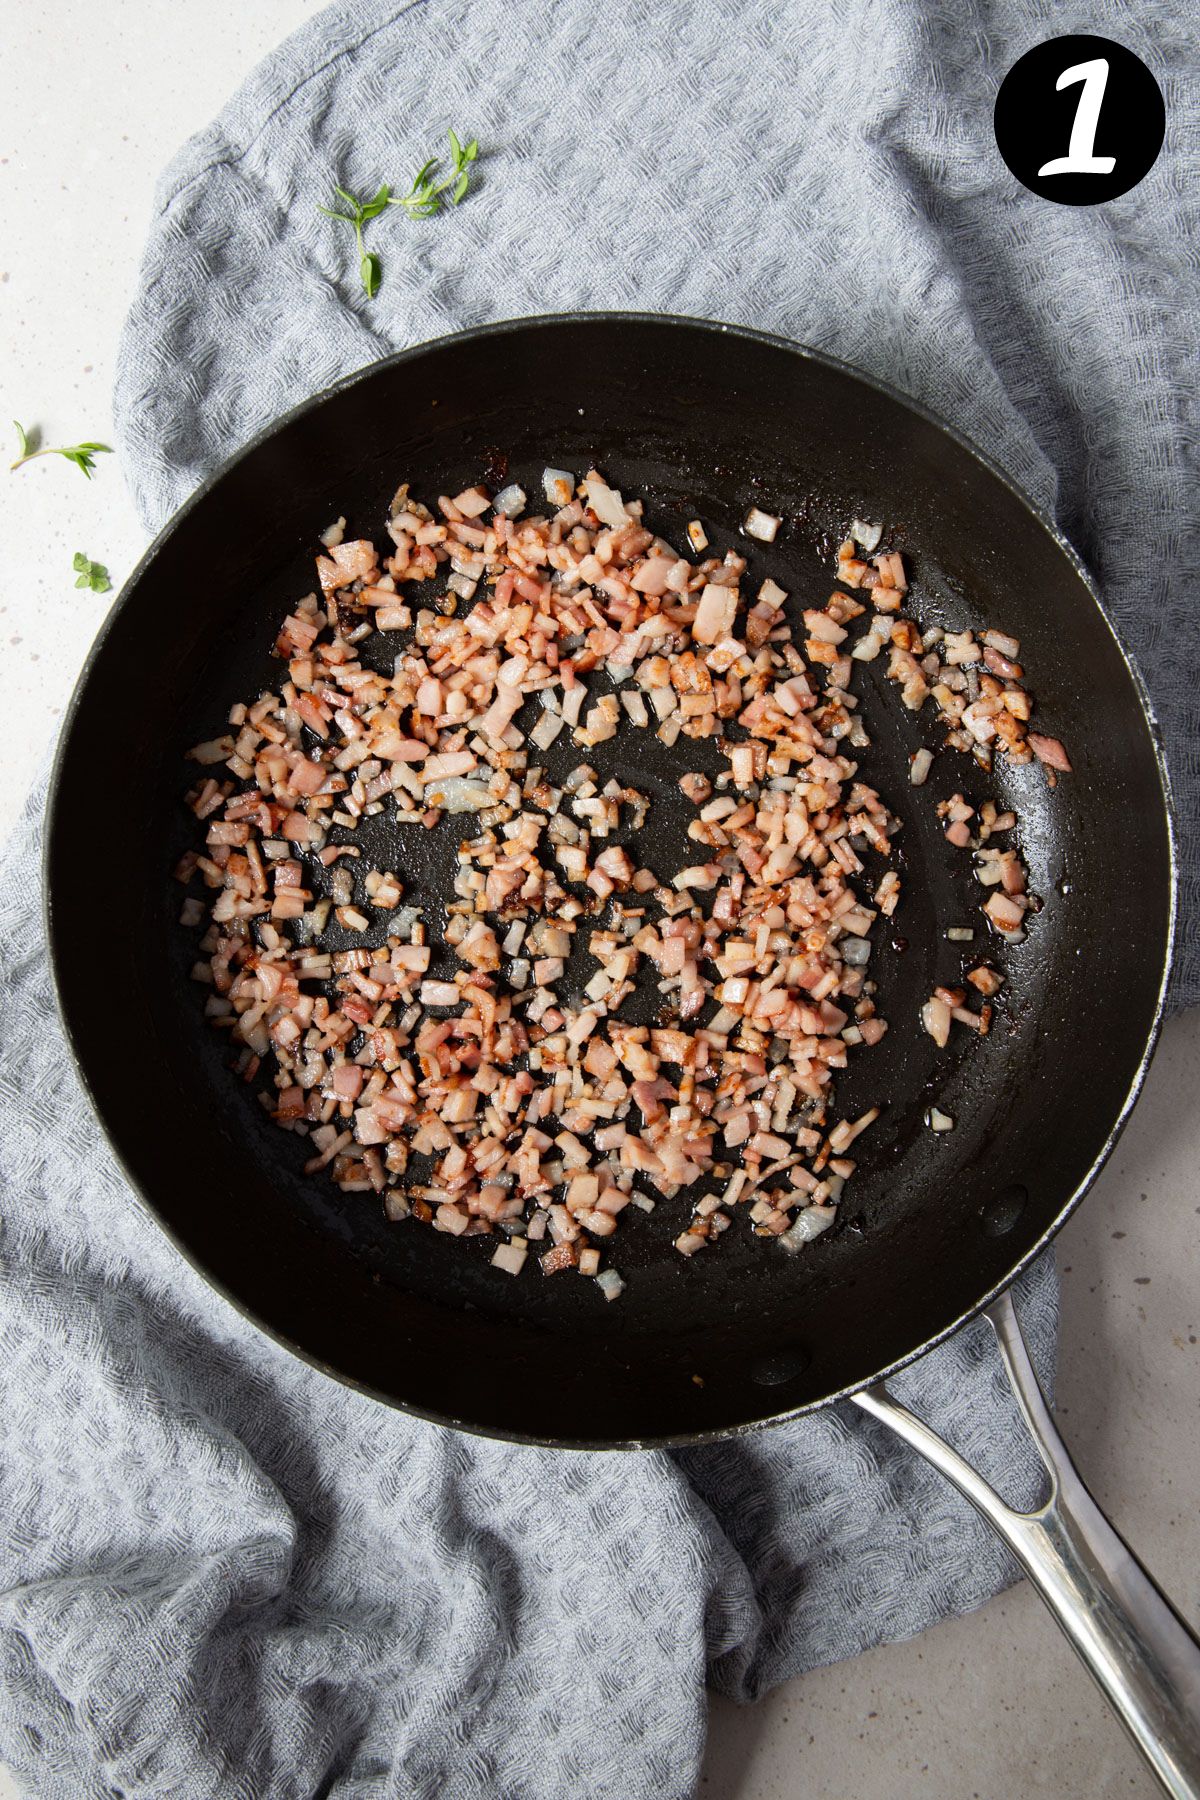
x: 558, y: 485
x: 761, y: 525
x: 935, y: 1016
x: 546, y: 730
x: 811, y: 1221
x: 605, y: 502
x: 510, y: 1257
x: 510, y: 501
x: 865, y: 536
x: 867, y: 649
x: 456, y: 794
x: 922, y: 762
x: 439, y: 993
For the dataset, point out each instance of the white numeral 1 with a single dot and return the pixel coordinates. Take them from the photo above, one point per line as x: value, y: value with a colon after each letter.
x: 1081, y: 158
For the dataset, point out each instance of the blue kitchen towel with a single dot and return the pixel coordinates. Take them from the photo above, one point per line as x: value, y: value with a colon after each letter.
x: 222, y: 1574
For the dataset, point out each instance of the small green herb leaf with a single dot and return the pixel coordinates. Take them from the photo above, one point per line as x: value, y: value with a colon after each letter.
x: 375, y: 206
x: 91, y: 575
x: 371, y: 274
x: 82, y: 455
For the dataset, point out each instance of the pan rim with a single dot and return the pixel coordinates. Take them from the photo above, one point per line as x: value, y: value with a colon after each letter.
x: 494, y: 328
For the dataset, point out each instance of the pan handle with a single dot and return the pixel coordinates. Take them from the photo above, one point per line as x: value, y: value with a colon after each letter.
x: 1126, y: 1632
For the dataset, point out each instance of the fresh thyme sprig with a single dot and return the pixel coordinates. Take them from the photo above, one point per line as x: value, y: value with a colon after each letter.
x: 423, y: 199
x: 82, y: 455
x: 360, y: 214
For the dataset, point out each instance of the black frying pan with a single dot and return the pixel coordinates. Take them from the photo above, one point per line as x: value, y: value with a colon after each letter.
x: 702, y: 421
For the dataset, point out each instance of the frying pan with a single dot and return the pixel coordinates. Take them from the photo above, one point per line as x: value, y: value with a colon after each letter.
x: 702, y: 421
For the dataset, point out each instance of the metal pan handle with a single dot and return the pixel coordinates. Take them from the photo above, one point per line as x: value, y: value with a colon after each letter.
x: 1125, y: 1630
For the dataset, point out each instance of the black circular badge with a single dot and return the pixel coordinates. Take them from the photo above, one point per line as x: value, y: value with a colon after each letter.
x: 1079, y: 120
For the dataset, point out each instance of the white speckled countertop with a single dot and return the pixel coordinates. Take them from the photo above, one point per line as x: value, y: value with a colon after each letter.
x: 991, y: 1707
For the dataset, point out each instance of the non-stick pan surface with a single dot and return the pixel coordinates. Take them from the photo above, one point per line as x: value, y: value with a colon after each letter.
x: 703, y: 421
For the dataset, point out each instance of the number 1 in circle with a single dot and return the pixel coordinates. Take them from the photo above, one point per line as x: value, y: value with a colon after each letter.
x: 1081, y: 158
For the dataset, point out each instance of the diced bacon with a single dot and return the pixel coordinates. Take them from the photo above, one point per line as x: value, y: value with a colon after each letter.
x: 484, y: 1064
x: 1048, y: 750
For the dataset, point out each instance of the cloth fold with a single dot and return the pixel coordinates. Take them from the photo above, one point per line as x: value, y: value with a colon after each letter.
x: 220, y: 1572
